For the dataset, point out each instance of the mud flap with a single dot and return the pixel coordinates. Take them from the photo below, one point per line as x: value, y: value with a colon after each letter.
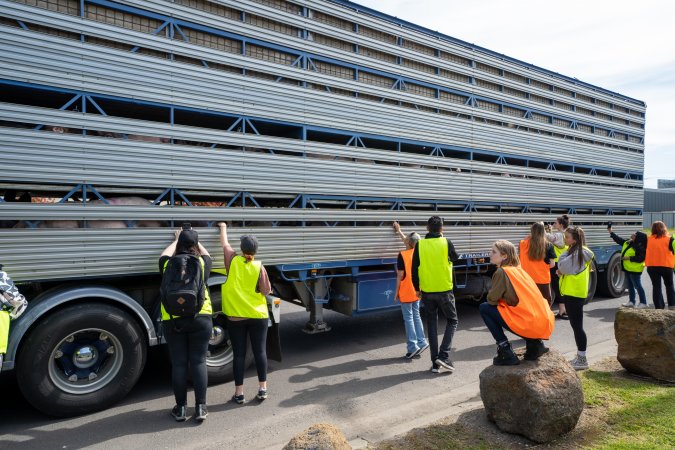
x: 273, y: 338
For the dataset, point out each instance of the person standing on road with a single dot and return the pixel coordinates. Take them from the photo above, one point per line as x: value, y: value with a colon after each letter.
x: 574, y: 267
x: 537, y: 258
x: 660, y: 260
x: 557, y: 238
x: 633, y: 263
x: 12, y: 305
x: 188, y: 337
x: 407, y: 296
x: 432, y: 262
x: 245, y: 305
x: 515, y: 303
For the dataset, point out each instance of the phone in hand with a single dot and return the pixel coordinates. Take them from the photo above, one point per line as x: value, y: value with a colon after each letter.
x: 187, y: 226
x: 609, y: 225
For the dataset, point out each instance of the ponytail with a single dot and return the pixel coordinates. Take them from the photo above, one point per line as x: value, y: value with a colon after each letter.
x: 564, y: 220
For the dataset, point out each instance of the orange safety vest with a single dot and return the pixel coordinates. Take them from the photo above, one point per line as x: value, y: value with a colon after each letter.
x: 659, y: 253
x: 538, y: 270
x: 406, y: 290
x: 532, y: 317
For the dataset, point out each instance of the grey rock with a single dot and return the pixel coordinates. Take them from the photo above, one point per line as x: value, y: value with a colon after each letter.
x: 646, y: 340
x: 540, y: 400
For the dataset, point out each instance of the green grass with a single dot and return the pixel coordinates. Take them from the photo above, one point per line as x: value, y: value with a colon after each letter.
x: 639, y: 414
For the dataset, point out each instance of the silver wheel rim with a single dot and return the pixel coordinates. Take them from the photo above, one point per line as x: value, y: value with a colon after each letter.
x: 85, y: 361
x: 220, y: 350
x: 617, y: 277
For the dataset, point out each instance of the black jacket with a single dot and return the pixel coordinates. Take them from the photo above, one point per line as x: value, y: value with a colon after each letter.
x: 640, y: 245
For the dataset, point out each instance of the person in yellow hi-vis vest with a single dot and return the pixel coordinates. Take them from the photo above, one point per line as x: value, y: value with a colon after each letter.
x: 515, y: 303
x: 574, y: 269
x: 245, y: 305
x: 432, y: 277
x: 557, y: 238
x: 185, y: 266
x: 12, y: 305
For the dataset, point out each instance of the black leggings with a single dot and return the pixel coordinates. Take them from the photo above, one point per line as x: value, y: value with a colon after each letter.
x: 575, y: 312
x: 656, y: 274
x: 257, y: 332
x: 189, y: 344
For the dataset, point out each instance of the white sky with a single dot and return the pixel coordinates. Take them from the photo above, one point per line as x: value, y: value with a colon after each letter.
x: 626, y: 47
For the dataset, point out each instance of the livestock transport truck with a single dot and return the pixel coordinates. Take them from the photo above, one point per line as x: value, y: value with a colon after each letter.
x: 312, y: 123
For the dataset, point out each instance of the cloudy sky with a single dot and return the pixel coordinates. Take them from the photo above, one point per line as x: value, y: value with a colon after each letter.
x: 626, y: 47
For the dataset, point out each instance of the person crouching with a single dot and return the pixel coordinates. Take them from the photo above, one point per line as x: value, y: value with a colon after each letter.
x: 515, y: 303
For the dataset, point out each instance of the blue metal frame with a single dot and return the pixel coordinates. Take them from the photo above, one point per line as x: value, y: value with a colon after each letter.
x: 305, y: 60
x: 351, y: 137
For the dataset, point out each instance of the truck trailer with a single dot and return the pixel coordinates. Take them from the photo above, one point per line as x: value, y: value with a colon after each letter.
x: 313, y: 124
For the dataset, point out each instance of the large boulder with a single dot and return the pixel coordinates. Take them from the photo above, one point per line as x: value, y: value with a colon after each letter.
x: 646, y: 339
x: 540, y: 400
x: 320, y: 436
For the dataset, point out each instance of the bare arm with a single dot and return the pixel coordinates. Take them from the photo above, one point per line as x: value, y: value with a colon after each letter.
x: 223, y: 234
x: 171, y: 249
x: 203, y: 251
x: 399, y: 277
x: 398, y: 232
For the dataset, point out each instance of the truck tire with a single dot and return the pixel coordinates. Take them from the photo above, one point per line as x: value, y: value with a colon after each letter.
x: 612, y: 282
x: 219, y: 359
x: 81, y: 359
x: 592, y: 283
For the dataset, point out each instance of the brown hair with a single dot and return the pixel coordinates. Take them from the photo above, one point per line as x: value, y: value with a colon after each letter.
x: 564, y: 220
x: 507, y: 248
x: 579, y: 242
x: 659, y: 229
x: 537, y: 250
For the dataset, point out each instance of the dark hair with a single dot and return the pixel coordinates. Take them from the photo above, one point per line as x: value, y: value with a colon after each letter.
x: 659, y: 229
x: 579, y: 242
x: 564, y: 220
x: 537, y: 250
x: 435, y: 224
x: 189, y: 249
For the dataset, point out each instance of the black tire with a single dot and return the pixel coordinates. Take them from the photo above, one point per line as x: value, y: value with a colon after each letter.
x: 80, y: 334
x: 612, y: 282
x: 592, y: 282
x: 219, y: 359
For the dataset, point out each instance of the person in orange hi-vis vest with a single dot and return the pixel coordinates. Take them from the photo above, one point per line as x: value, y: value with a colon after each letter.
x: 406, y: 294
x: 515, y: 303
x: 660, y: 260
x: 537, y: 257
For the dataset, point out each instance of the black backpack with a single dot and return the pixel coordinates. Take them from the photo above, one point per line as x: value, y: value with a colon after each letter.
x: 183, y: 291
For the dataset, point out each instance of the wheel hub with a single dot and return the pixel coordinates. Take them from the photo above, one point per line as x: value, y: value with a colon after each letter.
x: 85, y: 356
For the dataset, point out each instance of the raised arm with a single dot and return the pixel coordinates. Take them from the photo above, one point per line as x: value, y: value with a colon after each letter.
x: 171, y: 249
x: 398, y: 232
x: 222, y: 226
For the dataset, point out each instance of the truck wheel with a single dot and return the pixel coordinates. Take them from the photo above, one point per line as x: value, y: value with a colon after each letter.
x: 592, y: 282
x: 219, y: 359
x: 81, y: 359
x: 613, y: 279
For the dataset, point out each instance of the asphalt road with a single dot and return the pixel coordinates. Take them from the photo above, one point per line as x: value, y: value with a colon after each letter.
x: 353, y: 376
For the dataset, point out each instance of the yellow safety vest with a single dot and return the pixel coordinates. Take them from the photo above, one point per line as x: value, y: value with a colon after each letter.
x: 206, y: 307
x: 629, y: 265
x: 559, y: 251
x: 4, y: 331
x: 435, y: 270
x: 240, y: 298
x: 577, y: 285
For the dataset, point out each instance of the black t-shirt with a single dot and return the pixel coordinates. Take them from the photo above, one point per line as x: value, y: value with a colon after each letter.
x: 207, y: 265
x: 550, y: 254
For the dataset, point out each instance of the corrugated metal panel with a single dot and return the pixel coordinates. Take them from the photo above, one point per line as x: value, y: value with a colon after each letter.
x: 73, y: 119
x: 57, y: 254
x: 49, y: 157
x: 656, y: 200
x: 666, y: 217
x: 102, y: 74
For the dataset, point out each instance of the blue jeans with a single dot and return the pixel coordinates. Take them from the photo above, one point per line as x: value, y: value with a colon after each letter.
x: 635, y: 284
x: 445, y: 303
x: 414, y: 330
x: 493, y: 321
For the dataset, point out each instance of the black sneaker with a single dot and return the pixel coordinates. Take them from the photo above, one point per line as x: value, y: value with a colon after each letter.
x: 179, y: 413
x: 409, y: 355
x: 201, y: 412
x: 446, y: 364
x: 420, y: 350
x: 262, y: 394
x: 505, y: 356
x: 534, y: 349
x: 239, y: 399
x: 434, y: 368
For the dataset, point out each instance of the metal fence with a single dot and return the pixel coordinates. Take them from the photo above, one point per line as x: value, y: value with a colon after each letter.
x: 666, y: 217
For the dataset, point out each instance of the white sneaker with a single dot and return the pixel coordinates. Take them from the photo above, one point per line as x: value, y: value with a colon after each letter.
x: 579, y: 363
x: 642, y: 306
x: 628, y: 305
